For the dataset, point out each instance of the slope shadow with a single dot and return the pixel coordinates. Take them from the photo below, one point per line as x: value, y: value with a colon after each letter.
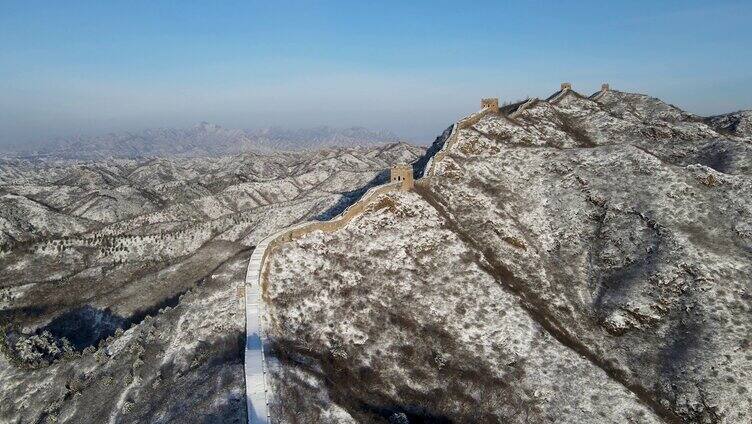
x: 419, y: 166
x: 411, y: 414
x: 85, y: 326
x: 349, y: 197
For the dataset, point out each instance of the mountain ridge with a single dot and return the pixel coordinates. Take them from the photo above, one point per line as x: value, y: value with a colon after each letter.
x: 616, y: 229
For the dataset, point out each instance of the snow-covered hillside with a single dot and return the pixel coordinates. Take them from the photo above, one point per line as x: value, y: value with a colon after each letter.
x: 403, y: 317
x: 121, y: 281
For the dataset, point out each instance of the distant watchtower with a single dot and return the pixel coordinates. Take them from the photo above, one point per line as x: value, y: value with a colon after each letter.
x: 566, y: 86
x: 404, y: 174
x: 604, y: 87
x: 491, y: 102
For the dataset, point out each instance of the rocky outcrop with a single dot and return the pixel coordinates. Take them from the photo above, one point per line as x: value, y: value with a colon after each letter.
x: 737, y: 124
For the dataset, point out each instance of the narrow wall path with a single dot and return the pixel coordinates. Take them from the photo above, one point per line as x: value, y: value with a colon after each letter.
x: 257, y: 362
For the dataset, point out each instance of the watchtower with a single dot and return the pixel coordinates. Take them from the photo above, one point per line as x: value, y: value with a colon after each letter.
x: 566, y: 86
x: 604, y: 87
x: 491, y: 102
x: 404, y: 174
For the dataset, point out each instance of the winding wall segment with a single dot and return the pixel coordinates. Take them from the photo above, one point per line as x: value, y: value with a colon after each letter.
x: 453, y: 136
x: 523, y: 107
x: 257, y: 363
x: 597, y: 96
x: 557, y: 97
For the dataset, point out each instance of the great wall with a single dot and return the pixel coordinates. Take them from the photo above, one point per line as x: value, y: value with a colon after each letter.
x: 257, y: 363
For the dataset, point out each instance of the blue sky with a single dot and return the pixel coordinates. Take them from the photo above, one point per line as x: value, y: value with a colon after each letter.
x: 88, y: 67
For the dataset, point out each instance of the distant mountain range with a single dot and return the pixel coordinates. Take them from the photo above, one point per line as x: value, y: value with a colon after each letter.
x: 204, y: 139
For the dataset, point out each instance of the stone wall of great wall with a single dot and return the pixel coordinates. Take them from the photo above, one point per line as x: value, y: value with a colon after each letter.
x: 529, y: 103
x: 256, y: 361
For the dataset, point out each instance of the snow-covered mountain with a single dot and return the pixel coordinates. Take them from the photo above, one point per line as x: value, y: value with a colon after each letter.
x: 204, y: 139
x: 579, y: 260
x: 586, y: 260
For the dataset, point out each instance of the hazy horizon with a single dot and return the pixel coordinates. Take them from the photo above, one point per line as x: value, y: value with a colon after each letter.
x: 32, y: 145
x: 90, y: 68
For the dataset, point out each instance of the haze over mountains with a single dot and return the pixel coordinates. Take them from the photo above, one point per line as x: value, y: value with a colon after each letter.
x: 203, y: 139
